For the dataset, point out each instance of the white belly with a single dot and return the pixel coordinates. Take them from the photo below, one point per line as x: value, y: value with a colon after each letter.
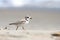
x: 27, y: 22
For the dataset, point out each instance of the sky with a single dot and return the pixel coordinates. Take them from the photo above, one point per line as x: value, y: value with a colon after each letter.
x: 30, y: 3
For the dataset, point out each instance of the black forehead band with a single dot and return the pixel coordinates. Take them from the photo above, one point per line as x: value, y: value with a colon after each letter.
x: 26, y: 17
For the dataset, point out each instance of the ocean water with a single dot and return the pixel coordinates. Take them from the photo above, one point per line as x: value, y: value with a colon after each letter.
x: 41, y: 19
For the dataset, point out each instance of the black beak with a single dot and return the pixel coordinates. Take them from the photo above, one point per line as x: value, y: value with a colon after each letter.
x: 30, y: 18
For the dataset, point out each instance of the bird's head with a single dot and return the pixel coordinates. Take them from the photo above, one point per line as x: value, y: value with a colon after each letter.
x: 28, y: 17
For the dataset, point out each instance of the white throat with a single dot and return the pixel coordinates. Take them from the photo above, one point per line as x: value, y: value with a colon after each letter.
x: 27, y: 20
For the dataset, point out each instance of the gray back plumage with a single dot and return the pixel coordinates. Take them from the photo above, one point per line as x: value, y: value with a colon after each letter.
x: 17, y: 23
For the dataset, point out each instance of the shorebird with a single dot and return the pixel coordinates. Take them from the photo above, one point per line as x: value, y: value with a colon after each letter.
x: 22, y: 22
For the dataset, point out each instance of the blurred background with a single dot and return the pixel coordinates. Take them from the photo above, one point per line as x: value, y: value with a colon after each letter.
x: 30, y: 3
x: 45, y: 13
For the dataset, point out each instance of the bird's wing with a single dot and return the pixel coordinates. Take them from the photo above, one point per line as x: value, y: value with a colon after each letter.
x: 13, y: 23
x: 19, y: 22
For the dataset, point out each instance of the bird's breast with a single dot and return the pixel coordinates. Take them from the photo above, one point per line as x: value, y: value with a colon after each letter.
x: 27, y: 22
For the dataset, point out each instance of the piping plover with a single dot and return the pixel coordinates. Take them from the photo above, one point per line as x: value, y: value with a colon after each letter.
x: 22, y: 22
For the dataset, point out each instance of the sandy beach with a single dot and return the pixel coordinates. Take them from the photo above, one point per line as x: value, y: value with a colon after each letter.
x: 42, y: 25
x: 26, y: 35
x: 42, y: 19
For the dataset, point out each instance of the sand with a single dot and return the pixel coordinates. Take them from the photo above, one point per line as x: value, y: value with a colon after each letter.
x: 26, y: 35
x: 42, y: 20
